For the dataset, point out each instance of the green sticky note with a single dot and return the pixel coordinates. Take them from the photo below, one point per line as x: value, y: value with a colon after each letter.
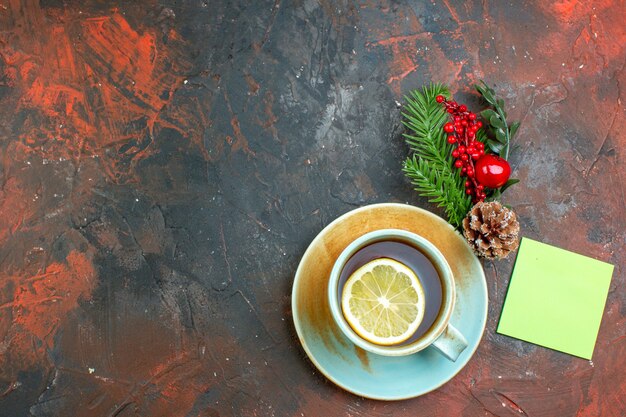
x: 555, y: 298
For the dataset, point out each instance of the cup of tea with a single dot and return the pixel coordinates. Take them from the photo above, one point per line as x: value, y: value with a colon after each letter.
x: 392, y: 280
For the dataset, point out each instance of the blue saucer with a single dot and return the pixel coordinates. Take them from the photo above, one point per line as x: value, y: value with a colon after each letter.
x: 367, y: 374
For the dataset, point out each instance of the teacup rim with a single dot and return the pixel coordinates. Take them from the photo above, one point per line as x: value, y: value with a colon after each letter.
x: 439, y: 262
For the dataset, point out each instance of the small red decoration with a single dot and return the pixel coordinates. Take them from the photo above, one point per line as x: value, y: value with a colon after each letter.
x: 492, y: 171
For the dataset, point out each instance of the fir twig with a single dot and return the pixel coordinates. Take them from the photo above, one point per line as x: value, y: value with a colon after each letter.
x: 430, y: 166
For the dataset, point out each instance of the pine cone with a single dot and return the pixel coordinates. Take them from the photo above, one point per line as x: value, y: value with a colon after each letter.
x: 491, y: 229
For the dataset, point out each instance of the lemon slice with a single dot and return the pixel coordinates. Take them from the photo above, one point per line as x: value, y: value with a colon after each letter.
x: 383, y: 302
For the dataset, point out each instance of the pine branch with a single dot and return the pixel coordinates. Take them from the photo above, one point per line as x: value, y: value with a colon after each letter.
x: 438, y: 189
x: 430, y: 167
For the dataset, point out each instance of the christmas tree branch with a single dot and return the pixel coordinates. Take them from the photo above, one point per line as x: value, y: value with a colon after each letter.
x: 429, y: 168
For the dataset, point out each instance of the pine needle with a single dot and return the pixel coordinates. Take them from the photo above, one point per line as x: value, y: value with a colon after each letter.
x: 430, y: 167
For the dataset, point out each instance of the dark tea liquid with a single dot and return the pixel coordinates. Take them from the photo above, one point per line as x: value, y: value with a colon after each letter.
x: 412, y: 258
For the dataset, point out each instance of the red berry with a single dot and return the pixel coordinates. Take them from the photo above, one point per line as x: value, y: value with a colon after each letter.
x: 464, y: 157
x: 470, y: 172
x: 492, y: 171
x: 468, y: 183
x: 455, y: 153
x: 475, y: 155
x: 450, y: 110
x: 463, y: 122
x: 471, y: 149
x: 457, y: 119
x: 479, y: 124
x: 453, y: 104
x: 471, y: 134
x: 480, y: 145
x: 440, y: 99
x: 480, y: 187
x: 468, y: 191
x: 471, y: 116
x: 448, y: 128
x: 461, y: 149
x: 462, y: 108
x: 451, y: 139
x: 458, y: 163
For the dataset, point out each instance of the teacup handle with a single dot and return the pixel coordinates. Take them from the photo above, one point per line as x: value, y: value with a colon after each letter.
x: 451, y: 343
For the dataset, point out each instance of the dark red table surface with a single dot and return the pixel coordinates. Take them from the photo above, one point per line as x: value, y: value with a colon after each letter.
x: 164, y: 165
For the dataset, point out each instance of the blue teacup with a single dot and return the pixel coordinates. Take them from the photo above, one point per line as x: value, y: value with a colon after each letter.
x: 441, y: 335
